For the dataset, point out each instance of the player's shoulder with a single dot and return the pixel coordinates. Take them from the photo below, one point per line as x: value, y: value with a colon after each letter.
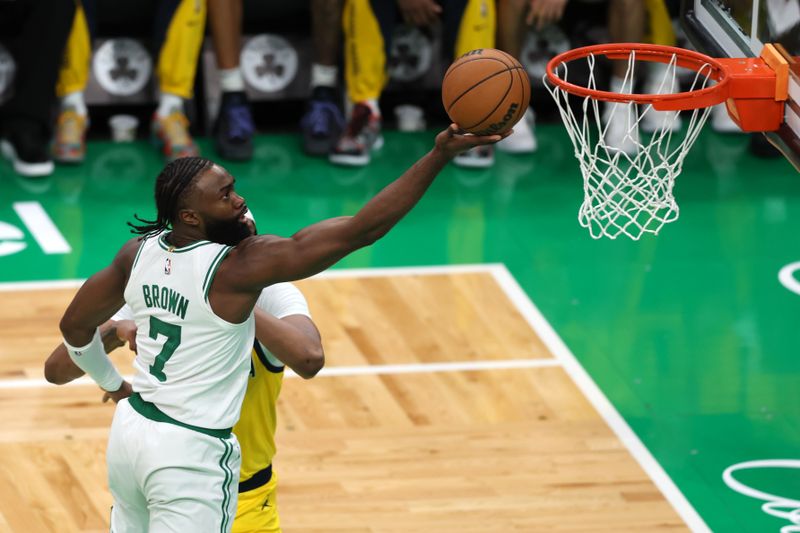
x: 252, y: 250
x: 255, y: 243
x: 128, y: 251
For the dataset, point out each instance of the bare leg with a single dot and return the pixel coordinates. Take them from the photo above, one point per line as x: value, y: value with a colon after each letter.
x: 511, y: 30
x: 626, y: 21
x: 234, y: 127
x: 511, y: 25
x: 323, y: 121
x: 326, y: 29
x: 225, y: 17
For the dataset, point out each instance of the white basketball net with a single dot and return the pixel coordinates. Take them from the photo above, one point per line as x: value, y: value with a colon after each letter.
x: 628, y: 186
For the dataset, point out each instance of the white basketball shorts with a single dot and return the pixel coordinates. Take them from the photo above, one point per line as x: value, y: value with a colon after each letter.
x: 168, y: 478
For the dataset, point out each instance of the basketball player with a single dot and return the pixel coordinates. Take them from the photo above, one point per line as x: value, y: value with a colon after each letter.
x: 286, y: 335
x: 192, y: 280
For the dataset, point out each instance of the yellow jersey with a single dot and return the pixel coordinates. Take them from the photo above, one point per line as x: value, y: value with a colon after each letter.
x: 258, y: 421
x: 256, y: 426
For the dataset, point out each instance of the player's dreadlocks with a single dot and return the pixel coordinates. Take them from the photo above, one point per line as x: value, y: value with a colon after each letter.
x: 172, y: 186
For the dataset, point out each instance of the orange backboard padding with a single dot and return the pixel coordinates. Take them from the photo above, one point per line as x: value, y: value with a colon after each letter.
x: 777, y: 62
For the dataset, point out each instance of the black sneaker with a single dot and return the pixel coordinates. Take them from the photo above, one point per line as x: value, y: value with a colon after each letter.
x: 25, y: 145
x: 234, y: 128
x: 323, y: 122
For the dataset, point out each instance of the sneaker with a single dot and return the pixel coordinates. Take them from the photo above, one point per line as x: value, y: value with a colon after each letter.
x: 621, y: 131
x: 234, y: 128
x: 69, y: 145
x: 362, y: 135
x: 660, y: 80
x: 26, y: 147
x: 323, y: 122
x: 721, y: 121
x: 172, y: 134
x: 523, y: 140
x: 478, y: 157
x: 653, y: 121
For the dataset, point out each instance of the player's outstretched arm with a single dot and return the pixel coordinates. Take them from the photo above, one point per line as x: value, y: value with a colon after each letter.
x: 261, y: 261
x: 293, y: 339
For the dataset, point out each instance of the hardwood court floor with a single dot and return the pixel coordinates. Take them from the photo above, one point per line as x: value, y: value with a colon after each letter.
x: 365, y: 448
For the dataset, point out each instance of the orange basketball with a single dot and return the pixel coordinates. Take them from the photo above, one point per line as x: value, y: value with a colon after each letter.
x: 486, y: 91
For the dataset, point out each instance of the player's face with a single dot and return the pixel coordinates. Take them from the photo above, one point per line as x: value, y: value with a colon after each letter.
x: 221, y: 208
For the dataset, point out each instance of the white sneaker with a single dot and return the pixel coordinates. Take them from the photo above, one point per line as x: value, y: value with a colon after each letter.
x: 40, y: 166
x: 523, y: 140
x: 478, y: 157
x: 721, y: 121
x: 621, y: 130
x: 653, y: 121
x: 660, y: 80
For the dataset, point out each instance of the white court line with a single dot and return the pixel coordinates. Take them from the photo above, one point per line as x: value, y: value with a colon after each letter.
x: 345, y: 371
x: 327, y: 274
x: 42, y: 228
x: 549, y: 337
x: 593, y: 393
x: 10, y: 286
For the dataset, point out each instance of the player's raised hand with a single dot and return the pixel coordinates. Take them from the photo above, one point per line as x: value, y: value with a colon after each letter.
x: 453, y: 140
x: 123, y: 392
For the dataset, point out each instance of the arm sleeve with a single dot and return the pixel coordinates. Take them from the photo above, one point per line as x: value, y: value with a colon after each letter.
x: 283, y: 299
x: 94, y: 360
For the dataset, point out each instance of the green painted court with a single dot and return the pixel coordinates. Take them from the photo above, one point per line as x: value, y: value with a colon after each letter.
x: 691, y: 334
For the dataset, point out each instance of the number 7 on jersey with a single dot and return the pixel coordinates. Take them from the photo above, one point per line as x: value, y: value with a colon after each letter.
x: 173, y: 335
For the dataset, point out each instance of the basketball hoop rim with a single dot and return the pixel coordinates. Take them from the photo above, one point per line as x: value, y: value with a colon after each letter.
x: 689, y: 59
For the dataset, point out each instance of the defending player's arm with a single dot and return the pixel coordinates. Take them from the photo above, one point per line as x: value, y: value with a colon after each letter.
x: 284, y: 327
x: 95, y: 302
x: 294, y: 340
x: 262, y: 261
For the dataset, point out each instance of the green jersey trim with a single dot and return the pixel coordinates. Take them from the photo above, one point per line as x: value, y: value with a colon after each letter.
x: 212, y: 270
x: 149, y: 410
x: 169, y: 248
x: 266, y: 360
x: 226, y: 484
x: 139, y: 252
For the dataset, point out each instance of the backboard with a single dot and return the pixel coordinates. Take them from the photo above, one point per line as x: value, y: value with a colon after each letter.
x: 740, y: 28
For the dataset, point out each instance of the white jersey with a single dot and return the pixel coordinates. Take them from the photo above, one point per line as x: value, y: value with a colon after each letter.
x: 190, y: 364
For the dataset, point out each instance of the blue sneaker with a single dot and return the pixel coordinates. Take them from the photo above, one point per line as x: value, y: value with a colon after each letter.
x: 323, y: 122
x: 234, y: 128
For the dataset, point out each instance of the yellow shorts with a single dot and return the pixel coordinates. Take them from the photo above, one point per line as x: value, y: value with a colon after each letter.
x: 257, y: 510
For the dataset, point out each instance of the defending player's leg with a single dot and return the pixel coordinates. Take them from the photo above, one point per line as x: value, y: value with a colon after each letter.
x: 258, y: 509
